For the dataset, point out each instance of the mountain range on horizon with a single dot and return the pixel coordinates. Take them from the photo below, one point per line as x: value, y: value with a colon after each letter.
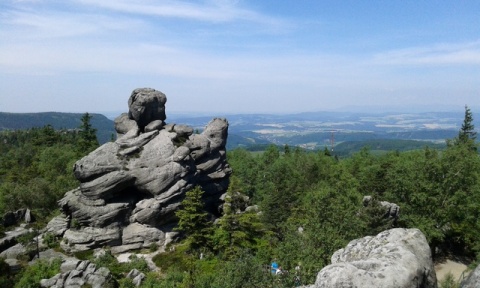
x: 309, y: 130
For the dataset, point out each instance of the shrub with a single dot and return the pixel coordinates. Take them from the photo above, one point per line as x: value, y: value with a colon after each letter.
x: 176, y: 259
x: 6, y: 277
x: 153, y: 247
x: 50, y: 240
x: 42, y: 269
x: 84, y: 255
x: 448, y: 282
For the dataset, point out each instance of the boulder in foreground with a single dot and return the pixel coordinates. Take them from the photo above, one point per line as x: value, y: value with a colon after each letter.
x: 396, y: 258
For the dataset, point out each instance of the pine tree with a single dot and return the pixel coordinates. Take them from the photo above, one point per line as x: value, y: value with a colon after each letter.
x: 467, y: 132
x: 237, y: 230
x: 193, y: 220
x: 88, y: 137
x: 466, y: 135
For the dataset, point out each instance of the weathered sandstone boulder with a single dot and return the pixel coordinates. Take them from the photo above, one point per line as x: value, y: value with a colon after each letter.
x: 77, y: 273
x: 146, y: 105
x: 10, y: 238
x: 130, y: 189
x: 473, y: 279
x: 396, y: 258
x: 11, y: 218
x: 392, y: 210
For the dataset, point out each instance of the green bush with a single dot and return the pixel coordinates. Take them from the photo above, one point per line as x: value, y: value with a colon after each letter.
x: 42, y: 269
x: 177, y: 259
x: 6, y: 276
x: 448, y: 282
x: 84, y: 255
x: 135, y: 262
x: 153, y: 247
x: 50, y: 240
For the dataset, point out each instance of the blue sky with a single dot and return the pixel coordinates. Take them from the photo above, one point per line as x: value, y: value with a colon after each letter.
x: 239, y: 56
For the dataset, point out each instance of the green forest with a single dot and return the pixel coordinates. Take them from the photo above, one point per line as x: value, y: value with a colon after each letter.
x: 304, y: 206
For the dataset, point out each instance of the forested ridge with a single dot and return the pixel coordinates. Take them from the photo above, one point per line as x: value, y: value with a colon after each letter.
x: 58, y: 120
x: 310, y: 205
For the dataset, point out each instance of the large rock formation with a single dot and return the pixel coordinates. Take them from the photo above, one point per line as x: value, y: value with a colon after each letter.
x: 130, y: 189
x: 396, y: 258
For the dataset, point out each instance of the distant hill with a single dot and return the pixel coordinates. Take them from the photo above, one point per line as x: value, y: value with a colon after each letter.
x: 379, y: 146
x: 316, y: 130
x: 58, y: 120
x: 313, y: 130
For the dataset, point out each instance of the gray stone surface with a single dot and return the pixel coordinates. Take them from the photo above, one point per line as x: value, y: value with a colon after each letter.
x: 143, y: 234
x: 392, y: 210
x: 58, y: 225
x: 14, y: 264
x: 154, y: 125
x: 123, y: 124
x: 473, y: 279
x: 12, y: 218
x: 137, y: 281
x: 13, y: 252
x: 90, y: 237
x: 10, y: 238
x: 134, y: 185
x: 146, y: 105
x: 394, y: 258
x: 76, y: 273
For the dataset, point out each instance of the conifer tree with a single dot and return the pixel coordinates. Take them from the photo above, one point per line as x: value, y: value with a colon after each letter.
x: 467, y: 132
x: 88, y: 137
x: 237, y: 230
x: 193, y: 220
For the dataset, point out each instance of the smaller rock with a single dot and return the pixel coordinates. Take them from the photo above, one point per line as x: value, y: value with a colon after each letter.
x: 14, y: 264
x: 50, y: 282
x: 183, y: 130
x: 58, y: 225
x: 392, y: 210
x: 123, y: 124
x: 13, y: 252
x: 396, y: 258
x: 473, y: 279
x: 76, y: 273
x: 137, y: 281
x: 154, y: 125
x: 69, y: 265
x: 28, y: 218
x: 143, y: 234
x: 146, y: 105
x: 8, y: 219
x: 133, y: 273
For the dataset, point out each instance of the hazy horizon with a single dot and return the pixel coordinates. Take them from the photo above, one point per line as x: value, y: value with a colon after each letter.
x: 346, y: 109
x: 239, y: 56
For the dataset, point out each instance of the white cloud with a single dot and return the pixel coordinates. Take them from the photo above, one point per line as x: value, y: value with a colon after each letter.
x: 210, y: 11
x: 439, y: 54
x: 31, y: 25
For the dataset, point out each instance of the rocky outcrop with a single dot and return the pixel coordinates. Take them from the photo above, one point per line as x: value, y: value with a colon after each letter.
x: 77, y: 273
x: 473, y: 279
x: 130, y: 189
x: 10, y: 238
x: 136, y: 276
x: 392, y: 210
x: 11, y: 218
x: 394, y: 258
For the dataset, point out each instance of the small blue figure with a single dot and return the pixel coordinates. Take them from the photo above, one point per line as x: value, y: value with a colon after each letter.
x: 274, y: 266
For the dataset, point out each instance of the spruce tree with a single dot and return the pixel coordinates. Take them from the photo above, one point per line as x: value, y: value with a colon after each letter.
x: 467, y: 132
x: 88, y: 137
x: 193, y: 220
